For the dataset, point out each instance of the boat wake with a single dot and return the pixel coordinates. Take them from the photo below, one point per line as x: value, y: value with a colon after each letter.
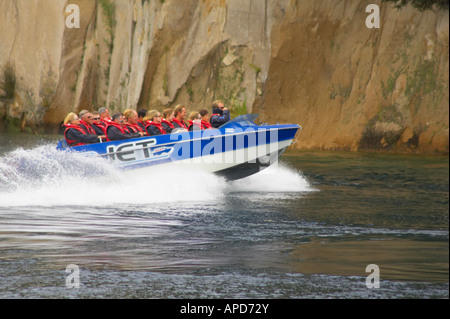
x: 44, y: 176
x: 276, y: 178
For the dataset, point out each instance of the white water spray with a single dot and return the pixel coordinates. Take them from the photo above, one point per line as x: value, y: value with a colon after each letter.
x: 44, y: 176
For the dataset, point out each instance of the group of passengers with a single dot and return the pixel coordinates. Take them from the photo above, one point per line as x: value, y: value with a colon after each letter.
x: 93, y: 127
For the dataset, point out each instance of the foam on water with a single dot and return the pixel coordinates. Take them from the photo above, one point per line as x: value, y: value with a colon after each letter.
x: 274, y: 179
x: 44, y: 176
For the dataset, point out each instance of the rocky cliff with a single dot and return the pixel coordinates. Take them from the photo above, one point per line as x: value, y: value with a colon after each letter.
x: 314, y: 63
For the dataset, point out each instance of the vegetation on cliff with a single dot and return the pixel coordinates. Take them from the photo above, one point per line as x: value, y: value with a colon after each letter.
x: 421, y: 4
x: 7, y: 82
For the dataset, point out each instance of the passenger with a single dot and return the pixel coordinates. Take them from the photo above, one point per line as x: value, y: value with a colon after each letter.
x: 117, y: 130
x: 141, y: 116
x: 195, y: 122
x: 178, y: 117
x: 131, y: 121
x: 220, y: 115
x: 147, y: 119
x: 204, y: 114
x: 75, y: 135
x: 104, y: 115
x: 86, y: 121
x: 166, y: 122
x: 98, y: 126
x: 154, y: 126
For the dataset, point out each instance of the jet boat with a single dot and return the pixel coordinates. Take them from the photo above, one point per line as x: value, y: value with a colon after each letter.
x: 235, y: 150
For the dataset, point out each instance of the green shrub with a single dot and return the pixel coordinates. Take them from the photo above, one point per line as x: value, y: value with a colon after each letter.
x: 7, y: 82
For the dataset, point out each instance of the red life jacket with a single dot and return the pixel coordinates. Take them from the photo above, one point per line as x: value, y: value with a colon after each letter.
x: 167, y: 122
x: 159, y: 126
x: 122, y: 129
x: 134, y: 128
x: 73, y: 142
x: 181, y: 124
x: 200, y: 126
x: 141, y: 124
x: 89, y: 128
x: 102, y: 126
x: 106, y: 121
x: 206, y: 125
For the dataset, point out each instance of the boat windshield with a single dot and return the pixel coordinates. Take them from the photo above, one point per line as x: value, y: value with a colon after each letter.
x: 241, y: 118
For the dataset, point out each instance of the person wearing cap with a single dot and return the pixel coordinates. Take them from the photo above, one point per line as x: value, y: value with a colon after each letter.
x: 220, y: 114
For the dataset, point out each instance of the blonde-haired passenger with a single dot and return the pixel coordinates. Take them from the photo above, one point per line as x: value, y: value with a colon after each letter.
x: 71, y: 118
x: 131, y: 121
x: 179, y: 113
x: 75, y: 135
x: 195, y: 122
x: 153, y: 123
x: 166, y: 121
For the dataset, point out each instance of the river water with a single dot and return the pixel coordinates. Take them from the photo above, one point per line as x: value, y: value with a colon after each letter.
x: 305, y: 228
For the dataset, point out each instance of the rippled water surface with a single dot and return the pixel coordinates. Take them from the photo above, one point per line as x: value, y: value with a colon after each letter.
x: 305, y: 228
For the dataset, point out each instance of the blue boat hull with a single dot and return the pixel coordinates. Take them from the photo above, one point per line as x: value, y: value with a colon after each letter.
x: 235, y: 150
